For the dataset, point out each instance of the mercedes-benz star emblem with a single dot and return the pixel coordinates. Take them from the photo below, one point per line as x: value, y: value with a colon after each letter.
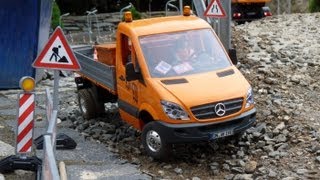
x: 220, y: 109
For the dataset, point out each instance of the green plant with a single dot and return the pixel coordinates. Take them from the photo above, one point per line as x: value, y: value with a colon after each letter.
x: 135, y: 14
x: 314, y: 5
x: 55, y: 15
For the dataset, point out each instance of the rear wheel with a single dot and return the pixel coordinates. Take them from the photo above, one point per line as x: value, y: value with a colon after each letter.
x: 154, y: 143
x: 86, y: 103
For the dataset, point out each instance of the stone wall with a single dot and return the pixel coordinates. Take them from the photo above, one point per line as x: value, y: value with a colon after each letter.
x: 297, y: 6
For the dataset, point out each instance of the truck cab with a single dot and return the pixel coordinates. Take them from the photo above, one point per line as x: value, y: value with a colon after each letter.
x: 202, y: 97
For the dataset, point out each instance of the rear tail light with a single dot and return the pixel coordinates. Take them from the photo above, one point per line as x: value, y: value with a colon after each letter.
x: 267, y: 14
x: 236, y: 15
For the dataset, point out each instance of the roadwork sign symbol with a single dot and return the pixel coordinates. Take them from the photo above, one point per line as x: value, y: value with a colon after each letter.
x: 215, y: 9
x: 57, y: 54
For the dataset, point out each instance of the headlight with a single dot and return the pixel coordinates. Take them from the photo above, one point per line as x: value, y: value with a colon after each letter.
x: 174, y: 111
x: 249, y: 99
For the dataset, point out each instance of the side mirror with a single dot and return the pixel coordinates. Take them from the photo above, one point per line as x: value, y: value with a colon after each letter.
x: 233, y: 56
x: 131, y: 74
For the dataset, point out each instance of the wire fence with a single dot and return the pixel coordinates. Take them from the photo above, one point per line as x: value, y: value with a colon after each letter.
x: 90, y: 29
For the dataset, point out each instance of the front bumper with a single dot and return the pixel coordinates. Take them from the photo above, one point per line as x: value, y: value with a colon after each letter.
x: 195, y: 132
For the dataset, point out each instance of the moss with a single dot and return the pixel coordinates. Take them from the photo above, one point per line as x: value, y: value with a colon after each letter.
x: 314, y: 6
x: 55, y: 15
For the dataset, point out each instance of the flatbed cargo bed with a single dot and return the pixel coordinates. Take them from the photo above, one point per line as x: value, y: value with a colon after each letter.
x: 97, y: 72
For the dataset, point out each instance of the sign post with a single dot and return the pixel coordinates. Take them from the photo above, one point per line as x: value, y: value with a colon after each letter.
x: 222, y: 13
x: 215, y: 10
x: 56, y: 55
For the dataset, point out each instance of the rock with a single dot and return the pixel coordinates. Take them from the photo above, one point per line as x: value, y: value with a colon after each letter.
x: 256, y: 134
x: 237, y: 170
x: 301, y: 171
x: 260, y: 144
x: 229, y: 177
x: 274, y: 154
x: 289, y: 178
x: 178, y: 170
x: 283, y: 147
x: 162, y: 173
x: 167, y: 167
x: 263, y: 170
x: 240, y: 153
x: 281, y: 138
x: 261, y: 128
x: 241, y: 163
x: 243, y: 177
x: 135, y: 161
x: 268, y: 148
x: 196, y: 178
x: 250, y: 166
x: 226, y: 167
x: 272, y: 174
x: 105, y: 137
x: 280, y: 127
x: 231, y: 162
x: 318, y: 159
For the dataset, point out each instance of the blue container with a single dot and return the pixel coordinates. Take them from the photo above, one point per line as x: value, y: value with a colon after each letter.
x: 24, y: 27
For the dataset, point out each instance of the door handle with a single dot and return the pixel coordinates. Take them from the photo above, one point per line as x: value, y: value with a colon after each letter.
x: 122, y: 78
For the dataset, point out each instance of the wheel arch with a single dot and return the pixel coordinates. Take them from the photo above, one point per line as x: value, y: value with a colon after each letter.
x: 147, y: 114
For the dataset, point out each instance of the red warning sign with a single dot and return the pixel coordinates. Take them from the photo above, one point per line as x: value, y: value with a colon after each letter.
x: 215, y: 9
x: 57, y: 54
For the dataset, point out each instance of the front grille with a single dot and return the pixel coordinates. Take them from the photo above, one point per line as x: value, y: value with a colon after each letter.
x: 207, y: 111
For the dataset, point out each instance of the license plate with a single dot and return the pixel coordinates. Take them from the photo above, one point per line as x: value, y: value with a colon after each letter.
x: 217, y: 135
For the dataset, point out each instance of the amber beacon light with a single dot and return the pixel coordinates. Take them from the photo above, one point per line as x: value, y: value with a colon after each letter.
x: 186, y: 11
x: 27, y: 84
x: 128, y: 16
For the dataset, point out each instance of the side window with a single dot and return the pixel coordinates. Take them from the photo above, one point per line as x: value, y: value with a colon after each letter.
x: 126, y: 49
x: 128, y: 52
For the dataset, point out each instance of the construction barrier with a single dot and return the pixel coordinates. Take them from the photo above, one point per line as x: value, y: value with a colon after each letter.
x: 25, y: 125
x: 49, y: 165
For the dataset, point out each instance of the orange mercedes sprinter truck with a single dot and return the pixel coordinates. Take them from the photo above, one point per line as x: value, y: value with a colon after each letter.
x: 172, y: 79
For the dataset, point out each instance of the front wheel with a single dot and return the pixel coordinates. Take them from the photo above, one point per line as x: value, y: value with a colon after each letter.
x: 154, y: 144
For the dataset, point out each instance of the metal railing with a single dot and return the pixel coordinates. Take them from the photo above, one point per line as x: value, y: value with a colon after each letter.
x: 168, y: 4
x: 89, y: 23
x: 49, y: 164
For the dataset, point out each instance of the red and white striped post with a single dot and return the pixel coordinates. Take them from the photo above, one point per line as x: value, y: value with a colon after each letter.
x: 25, y: 122
x: 25, y: 116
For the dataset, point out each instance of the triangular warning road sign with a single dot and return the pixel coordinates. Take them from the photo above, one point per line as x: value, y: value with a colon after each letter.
x: 215, y: 9
x: 57, y: 54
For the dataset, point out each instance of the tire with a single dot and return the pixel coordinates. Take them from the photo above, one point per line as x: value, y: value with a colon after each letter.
x: 153, y: 143
x: 99, y: 105
x: 86, y: 104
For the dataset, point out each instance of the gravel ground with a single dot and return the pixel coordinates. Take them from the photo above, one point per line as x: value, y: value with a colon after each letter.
x: 280, y: 57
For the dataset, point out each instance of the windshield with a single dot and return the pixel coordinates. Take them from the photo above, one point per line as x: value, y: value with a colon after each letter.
x: 183, y: 53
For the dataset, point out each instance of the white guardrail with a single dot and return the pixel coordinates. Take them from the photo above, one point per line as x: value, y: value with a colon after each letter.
x: 49, y: 166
